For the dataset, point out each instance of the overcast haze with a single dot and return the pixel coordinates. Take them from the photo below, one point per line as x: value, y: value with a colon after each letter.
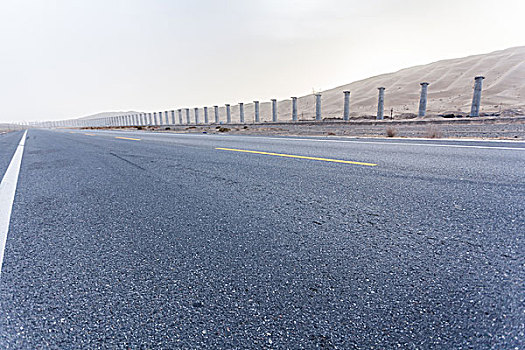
x: 67, y: 59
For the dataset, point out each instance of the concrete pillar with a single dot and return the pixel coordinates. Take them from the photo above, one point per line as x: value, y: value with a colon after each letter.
x: 476, y: 98
x: 196, y: 112
x: 256, y: 111
x: 346, y: 109
x: 381, y: 103
x: 155, y: 119
x: 241, y: 112
x: 294, y: 109
x: 150, y: 119
x: 423, y: 100
x: 206, y: 119
x: 188, y: 121
x: 180, y: 116
x: 318, y: 107
x: 228, y: 114
x: 274, y: 110
x: 216, y: 109
x: 172, y: 112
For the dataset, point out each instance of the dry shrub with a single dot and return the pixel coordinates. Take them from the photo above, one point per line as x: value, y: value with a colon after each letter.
x: 391, y: 132
x: 433, y: 132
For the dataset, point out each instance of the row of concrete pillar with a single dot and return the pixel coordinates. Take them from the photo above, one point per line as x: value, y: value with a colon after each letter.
x: 176, y: 117
x: 422, y: 111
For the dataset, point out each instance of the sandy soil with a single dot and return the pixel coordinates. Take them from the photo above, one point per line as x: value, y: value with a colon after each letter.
x: 512, y: 128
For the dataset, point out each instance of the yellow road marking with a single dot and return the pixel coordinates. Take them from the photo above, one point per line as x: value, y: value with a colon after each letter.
x: 89, y: 134
x: 294, y: 156
x: 127, y: 138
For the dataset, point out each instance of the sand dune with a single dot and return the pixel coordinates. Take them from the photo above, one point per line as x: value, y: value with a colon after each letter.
x: 450, y: 90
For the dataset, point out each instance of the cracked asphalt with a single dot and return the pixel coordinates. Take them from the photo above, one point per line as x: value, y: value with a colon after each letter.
x: 166, y: 242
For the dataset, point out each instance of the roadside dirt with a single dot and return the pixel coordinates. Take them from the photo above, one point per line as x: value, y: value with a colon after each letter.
x: 512, y: 128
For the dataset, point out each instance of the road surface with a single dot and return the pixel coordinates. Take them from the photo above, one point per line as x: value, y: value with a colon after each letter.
x: 151, y: 240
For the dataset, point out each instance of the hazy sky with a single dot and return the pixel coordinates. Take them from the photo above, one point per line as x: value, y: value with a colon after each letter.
x: 62, y: 59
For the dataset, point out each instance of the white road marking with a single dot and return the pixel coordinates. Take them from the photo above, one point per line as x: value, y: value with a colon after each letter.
x: 7, y: 194
x: 403, y: 143
x: 385, y: 142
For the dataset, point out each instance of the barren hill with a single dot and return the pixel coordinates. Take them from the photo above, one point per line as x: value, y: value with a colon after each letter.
x: 107, y: 115
x: 450, y: 90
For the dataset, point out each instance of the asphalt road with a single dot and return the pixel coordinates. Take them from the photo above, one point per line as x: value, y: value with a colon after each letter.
x: 165, y: 241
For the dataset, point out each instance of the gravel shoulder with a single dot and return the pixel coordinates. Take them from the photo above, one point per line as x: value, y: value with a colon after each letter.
x: 511, y: 128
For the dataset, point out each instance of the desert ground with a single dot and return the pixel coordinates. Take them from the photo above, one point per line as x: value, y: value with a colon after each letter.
x: 507, y: 128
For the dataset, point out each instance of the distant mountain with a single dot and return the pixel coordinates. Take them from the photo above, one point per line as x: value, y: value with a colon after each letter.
x: 108, y: 114
x: 450, y: 90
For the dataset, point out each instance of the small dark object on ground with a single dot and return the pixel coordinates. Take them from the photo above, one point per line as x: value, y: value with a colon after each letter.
x: 167, y: 128
x: 198, y: 304
x: 204, y: 132
x: 245, y: 127
x: 139, y: 127
x: 223, y: 129
x: 391, y: 132
x: 331, y: 133
x: 191, y: 127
